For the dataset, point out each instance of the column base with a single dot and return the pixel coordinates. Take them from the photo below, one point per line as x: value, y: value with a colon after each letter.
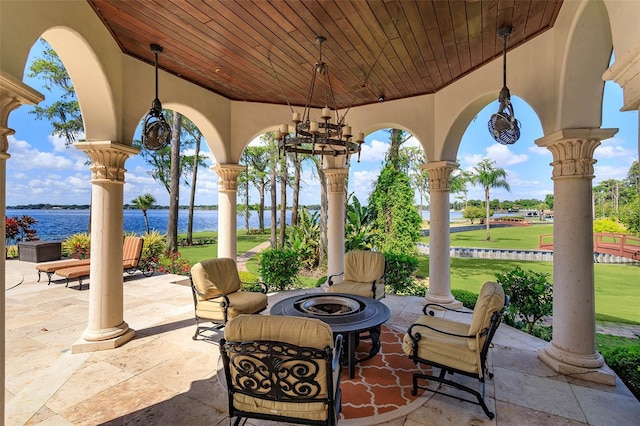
x: 448, y: 301
x: 584, y: 367
x: 82, y: 345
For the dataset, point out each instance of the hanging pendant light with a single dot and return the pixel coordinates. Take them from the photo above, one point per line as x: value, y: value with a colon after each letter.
x: 308, y: 135
x: 503, y: 126
x: 156, y: 132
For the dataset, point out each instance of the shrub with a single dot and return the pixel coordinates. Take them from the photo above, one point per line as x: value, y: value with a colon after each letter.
x: 467, y: 298
x: 249, y: 281
x: 304, y: 238
x: 154, y: 244
x: 19, y: 229
x: 531, y: 297
x: 77, y: 246
x: 608, y: 225
x: 279, y: 268
x: 399, y: 272
x: 623, y: 356
x: 173, y: 263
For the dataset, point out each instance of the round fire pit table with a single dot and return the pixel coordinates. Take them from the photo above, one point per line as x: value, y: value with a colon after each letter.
x: 346, y: 314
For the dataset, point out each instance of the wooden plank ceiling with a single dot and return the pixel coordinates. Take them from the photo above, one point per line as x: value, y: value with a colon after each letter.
x: 264, y: 51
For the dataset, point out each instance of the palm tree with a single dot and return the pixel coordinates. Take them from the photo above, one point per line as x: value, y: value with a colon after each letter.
x: 144, y: 202
x: 489, y: 176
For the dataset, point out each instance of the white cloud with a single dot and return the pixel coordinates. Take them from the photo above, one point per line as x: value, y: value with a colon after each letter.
x: 503, y: 156
x: 603, y: 172
x: 374, y: 151
x: 607, y: 151
x: 538, y: 150
x: 361, y: 183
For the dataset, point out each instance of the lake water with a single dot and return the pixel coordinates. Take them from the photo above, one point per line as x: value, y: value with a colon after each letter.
x: 59, y: 224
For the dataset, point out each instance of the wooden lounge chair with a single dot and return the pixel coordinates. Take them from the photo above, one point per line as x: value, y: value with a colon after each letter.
x: 51, y: 267
x: 131, y: 254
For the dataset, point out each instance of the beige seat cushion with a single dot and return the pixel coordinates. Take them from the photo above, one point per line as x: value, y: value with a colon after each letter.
x: 215, y: 276
x: 490, y: 300
x: 305, y: 332
x: 442, y: 348
x: 361, y: 269
x: 363, y: 266
x: 358, y: 288
x: 240, y: 302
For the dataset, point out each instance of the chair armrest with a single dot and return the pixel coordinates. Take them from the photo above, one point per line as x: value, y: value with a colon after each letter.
x: 225, y: 302
x: 334, y: 275
x: 417, y: 336
x: 263, y: 287
x: 337, y: 353
x: 442, y: 307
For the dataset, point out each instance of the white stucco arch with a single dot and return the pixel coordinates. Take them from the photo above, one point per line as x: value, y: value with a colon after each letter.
x: 586, y: 56
x: 93, y: 90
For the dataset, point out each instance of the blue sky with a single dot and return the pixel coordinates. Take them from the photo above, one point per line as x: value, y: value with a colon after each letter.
x: 42, y: 170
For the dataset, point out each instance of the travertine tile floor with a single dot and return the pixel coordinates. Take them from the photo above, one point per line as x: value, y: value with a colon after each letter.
x: 163, y: 377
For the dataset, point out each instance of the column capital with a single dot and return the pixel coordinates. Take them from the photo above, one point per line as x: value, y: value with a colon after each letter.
x: 572, y: 150
x: 107, y: 159
x: 228, y: 176
x: 336, y: 179
x: 439, y: 173
x: 13, y: 94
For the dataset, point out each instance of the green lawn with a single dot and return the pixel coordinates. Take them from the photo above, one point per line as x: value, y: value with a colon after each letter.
x: 617, y: 287
x: 198, y: 253
x: 513, y: 237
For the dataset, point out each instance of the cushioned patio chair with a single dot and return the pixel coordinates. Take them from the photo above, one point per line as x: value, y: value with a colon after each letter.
x: 456, y: 347
x: 218, y: 296
x: 281, y: 368
x: 131, y: 261
x: 363, y: 275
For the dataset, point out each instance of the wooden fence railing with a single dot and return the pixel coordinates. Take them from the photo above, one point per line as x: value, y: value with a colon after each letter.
x: 605, y: 243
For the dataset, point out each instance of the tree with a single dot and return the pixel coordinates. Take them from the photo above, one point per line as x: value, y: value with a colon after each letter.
x: 197, y: 135
x: 392, y: 203
x: 257, y: 162
x: 472, y: 213
x: 64, y: 114
x: 394, y: 214
x: 548, y: 200
x: 243, y: 191
x: 458, y: 183
x: 358, y: 230
x: 174, y: 191
x: 419, y: 177
x: 489, y: 176
x: 144, y: 203
x: 162, y: 166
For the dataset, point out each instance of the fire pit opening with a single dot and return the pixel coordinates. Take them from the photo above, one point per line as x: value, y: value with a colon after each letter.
x: 328, y: 305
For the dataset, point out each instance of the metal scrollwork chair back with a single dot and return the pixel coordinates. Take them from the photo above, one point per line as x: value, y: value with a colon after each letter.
x: 282, y: 368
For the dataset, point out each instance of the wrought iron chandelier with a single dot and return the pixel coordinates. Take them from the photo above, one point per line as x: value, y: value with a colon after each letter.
x: 308, y: 135
x: 156, y: 132
x: 503, y: 126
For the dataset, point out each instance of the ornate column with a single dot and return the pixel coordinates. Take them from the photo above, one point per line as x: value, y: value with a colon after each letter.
x: 572, y: 350
x: 13, y: 94
x: 106, y: 328
x: 335, y: 222
x: 227, y: 208
x: 439, y: 271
